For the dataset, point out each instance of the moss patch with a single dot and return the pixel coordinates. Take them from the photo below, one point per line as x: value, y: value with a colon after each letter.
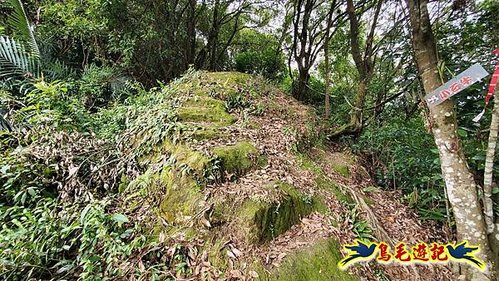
x: 238, y: 158
x: 342, y: 196
x: 263, y: 221
x: 181, y: 197
x: 201, y: 114
x: 205, y: 109
x: 181, y: 153
x: 186, y: 156
x: 233, y: 78
x: 341, y: 169
x: 207, y: 133
x: 317, y: 263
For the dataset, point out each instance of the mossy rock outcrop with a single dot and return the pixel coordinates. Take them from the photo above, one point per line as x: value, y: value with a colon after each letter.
x: 263, y: 221
x: 205, y: 116
x: 181, y: 199
x: 239, y: 158
x: 316, y: 263
x: 177, y: 193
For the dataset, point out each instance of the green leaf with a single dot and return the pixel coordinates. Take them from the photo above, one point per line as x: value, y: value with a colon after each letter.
x: 462, y: 133
x: 495, y: 190
x: 119, y: 218
x: 32, y: 191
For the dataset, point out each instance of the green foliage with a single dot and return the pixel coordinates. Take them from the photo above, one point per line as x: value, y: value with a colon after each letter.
x: 397, y: 161
x: 100, y: 85
x: 56, y: 180
x: 315, y: 94
x: 361, y: 227
x: 52, y: 104
x: 23, y: 30
x: 258, y: 53
x: 72, y: 32
x: 16, y: 62
x: 30, y: 249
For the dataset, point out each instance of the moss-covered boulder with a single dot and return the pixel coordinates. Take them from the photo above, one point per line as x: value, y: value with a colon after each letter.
x: 230, y: 78
x: 238, y: 158
x: 263, y: 221
x: 316, y: 263
x: 206, y: 133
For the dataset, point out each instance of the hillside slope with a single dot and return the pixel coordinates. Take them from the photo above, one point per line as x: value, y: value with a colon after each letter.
x: 221, y: 176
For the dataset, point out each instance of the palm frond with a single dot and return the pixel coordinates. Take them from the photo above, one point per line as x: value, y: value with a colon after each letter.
x: 19, y: 22
x: 16, y: 62
x: 4, y: 124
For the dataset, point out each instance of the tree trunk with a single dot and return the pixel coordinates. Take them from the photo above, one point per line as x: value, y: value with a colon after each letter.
x: 364, y: 64
x: 356, y: 113
x: 300, y: 85
x: 492, y: 229
x: 327, y: 105
x: 213, y: 37
x: 460, y: 184
x: 191, y: 34
x: 489, y: 166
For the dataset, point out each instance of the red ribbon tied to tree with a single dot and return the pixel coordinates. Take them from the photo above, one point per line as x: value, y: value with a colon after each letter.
x: 492, y: 87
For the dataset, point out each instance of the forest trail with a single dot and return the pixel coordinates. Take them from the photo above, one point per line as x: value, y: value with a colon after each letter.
x: 279, y: 203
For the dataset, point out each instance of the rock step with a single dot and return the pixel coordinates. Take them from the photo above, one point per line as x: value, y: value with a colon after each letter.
x: 262, y: 221
x: 205, y: 109
x: 239, y: 158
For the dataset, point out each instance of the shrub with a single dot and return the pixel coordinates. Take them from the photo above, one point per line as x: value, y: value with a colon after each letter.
x: 397, y: 161
x: 259, y: 53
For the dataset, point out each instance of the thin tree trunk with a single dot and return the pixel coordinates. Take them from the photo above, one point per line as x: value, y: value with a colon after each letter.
x: 460, y: 184
x: 488, y: 204
x: 213, y: 37
x: 356, y: 114
x: 327, y: 105
x: 191, y: 33
x: 489, y: 166
x: 364, y: 64
x: 300, y: 86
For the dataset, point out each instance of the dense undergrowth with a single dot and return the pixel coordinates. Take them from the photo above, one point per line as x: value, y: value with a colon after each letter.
x: 65, y: 181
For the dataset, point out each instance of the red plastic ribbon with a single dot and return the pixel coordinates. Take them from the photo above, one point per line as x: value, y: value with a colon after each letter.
x: 492, y: 87
x: 493, y: 81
